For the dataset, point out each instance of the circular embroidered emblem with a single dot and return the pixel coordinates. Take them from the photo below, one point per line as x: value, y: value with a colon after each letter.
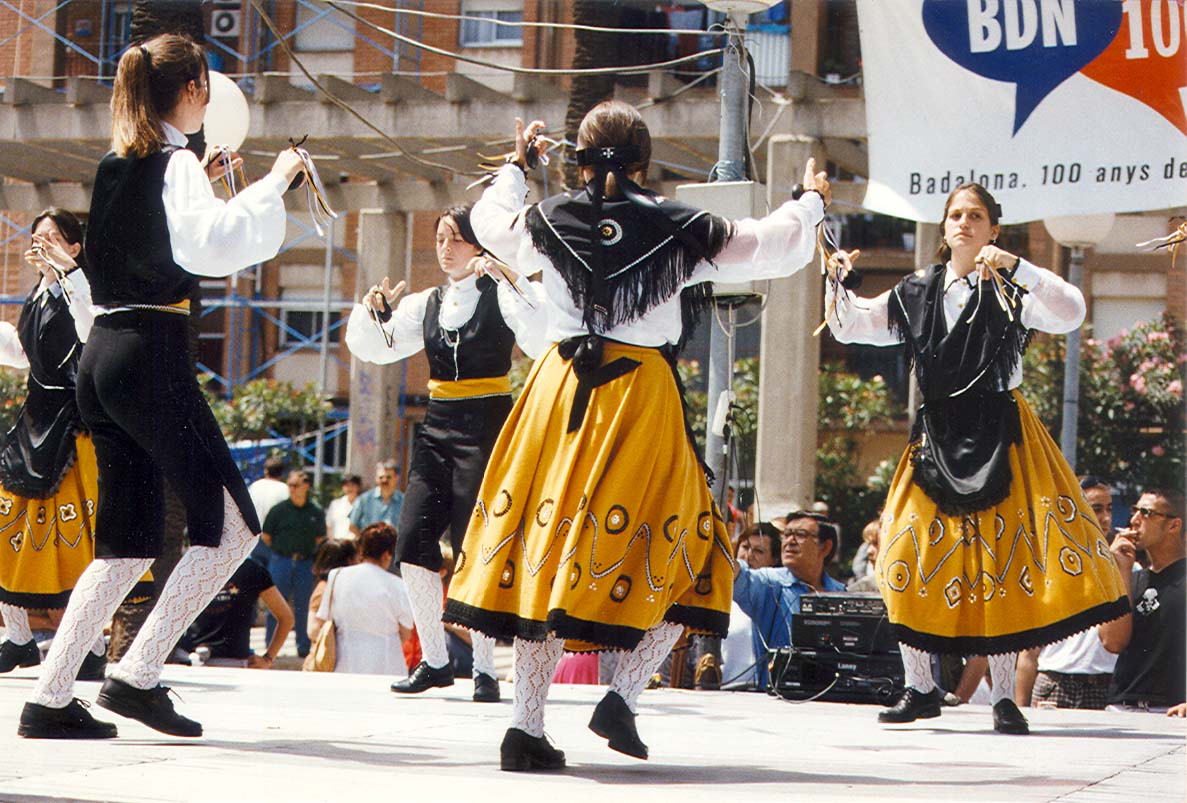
x: 504, y: 504
x: 507, y: 577
x: 1071, y: 562
x: 620, y: 589
x: 544, y: 512
x: 610, y: 231
x: 668, y: 522
x: 953, y: 593
x: 898, y: 575
x: 617, y: 520
x: 574, y: 575
x: 704, y: 526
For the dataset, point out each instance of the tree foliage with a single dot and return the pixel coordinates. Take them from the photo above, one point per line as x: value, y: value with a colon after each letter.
x: 265, y: 408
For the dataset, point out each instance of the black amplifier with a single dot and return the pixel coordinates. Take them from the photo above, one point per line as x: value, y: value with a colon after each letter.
x: 835, y: 677
x: 847, y: 622
x: 845, y: 603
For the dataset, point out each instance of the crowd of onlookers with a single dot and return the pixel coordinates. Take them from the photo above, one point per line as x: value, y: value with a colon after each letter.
x: 314, y: 565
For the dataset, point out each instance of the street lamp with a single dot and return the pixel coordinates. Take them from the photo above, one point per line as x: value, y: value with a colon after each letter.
x: 1075, y: 232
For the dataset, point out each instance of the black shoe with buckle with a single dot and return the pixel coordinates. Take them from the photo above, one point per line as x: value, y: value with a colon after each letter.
x: 1008, y: 719
x: 423, y: 678
x: 486, y: 689
x: 522, y: 752
x: 14, y: 655
x: 614, y: 721
x: 72, y: 722
x: 913, y: 705
x: 94, y: 667
x: 151, y: 707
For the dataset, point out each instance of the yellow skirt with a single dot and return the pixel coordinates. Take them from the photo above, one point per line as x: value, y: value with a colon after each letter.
x: 1031, y: 571
x: 599, y: 534
x: 45, y: 544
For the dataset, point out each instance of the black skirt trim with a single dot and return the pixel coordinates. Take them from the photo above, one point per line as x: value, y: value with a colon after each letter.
x: 141, y: 592
x: 1013, y: 642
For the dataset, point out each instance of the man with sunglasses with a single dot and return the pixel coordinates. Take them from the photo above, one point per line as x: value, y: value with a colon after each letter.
x: 769, y: 596
x: 1151, y: 641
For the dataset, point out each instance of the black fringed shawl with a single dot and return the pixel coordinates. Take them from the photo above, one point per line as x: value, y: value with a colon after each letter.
x: 650, y: 246
x: 968, y: 419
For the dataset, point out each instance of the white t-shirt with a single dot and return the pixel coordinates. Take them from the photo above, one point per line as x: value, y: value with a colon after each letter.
x: 368, y: 606
x: 1081, y: 654
x: 265, y: 494
x: 338, y: 519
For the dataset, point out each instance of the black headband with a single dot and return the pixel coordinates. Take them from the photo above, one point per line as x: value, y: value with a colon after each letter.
x: 621, y: 156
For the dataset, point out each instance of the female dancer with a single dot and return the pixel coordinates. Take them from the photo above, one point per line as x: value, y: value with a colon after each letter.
x: 987, y: 545
x: 594, y: 523
x: 155, y: 226
x: 48, y: 479
x: 467, y: 328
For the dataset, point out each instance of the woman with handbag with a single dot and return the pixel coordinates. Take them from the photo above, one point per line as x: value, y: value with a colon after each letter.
x: 987, y: 545
x: 369, y: 609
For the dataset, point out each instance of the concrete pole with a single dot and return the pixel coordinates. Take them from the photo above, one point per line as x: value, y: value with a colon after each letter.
x: 375, y: 389
x: 323, y: 357
x: 1071, y: 371
x: 731, y: 164
x: 927, y: 240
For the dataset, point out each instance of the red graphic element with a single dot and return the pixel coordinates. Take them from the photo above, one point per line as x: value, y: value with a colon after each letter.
x: 1148, y: 58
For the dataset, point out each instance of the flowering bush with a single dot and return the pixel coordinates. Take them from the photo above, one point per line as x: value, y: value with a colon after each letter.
x: 259, y: 408
x: 12, y: 396
x: 1131, y: 421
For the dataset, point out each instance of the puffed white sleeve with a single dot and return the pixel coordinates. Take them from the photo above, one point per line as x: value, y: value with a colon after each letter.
x: 213, y: 237
x: 11, y: 352
x: 367, y: 339
x: 859, y: 320
x: 1052, y: 304
x: 527, y: 315
x: 772, y: 247
x: 81, y: 307
x: 499, y: 224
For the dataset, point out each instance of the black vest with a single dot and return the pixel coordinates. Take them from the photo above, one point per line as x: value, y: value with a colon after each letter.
x: 480, y: 349
x: 129, y: 254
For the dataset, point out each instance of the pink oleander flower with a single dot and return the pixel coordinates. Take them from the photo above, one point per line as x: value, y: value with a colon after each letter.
x: 1138, y: 382
x: 1175, y: 387
x: 1157, y: 451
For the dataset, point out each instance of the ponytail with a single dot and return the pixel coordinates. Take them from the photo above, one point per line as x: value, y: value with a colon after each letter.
x: 148, y: 82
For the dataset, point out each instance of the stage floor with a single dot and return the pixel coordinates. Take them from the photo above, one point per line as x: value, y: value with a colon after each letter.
x: 292, y: 736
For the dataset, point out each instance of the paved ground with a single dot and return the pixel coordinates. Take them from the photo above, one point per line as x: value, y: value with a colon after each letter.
x: 291, y: 736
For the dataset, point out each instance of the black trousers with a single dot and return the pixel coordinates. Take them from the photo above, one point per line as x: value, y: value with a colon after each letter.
x: 448, y: 459
x: 150, y: 423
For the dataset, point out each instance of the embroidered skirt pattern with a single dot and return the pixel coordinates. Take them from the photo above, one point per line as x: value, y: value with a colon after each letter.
x: 1032, y: 570
x: 599, y: 533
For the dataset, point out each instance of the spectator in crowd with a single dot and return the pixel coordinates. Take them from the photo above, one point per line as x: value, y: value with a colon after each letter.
x: 266, y: 493
x: 758, y: 548
x: 225, y: 626
x: 338, y: 511
x: 292, y: 530
x: 1150, y: 641
x: 1074, y: 672
x: 331, y: 554
x: 381, y: 503
x: 370, y: 608
x: 769, y: 596
x: 870, y: 541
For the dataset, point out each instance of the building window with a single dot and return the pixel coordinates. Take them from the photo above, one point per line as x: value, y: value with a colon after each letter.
x: 302, y: 328
x: 320, y: 28
x: 482, y: 30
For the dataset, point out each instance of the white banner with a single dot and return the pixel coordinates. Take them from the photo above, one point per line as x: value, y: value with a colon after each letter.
x: 1059, y: 107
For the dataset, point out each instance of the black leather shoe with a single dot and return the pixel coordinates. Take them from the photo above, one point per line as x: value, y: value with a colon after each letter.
x: 1008, y: 719
x: 614, y: 721
x: 486, y: 689
x: 72, y: 722
x: 913, y: 705
x: 425, y: 677
x: 94, y: 667
x: 521, y: 752
x: 149, y: 706
x: 14, y: 655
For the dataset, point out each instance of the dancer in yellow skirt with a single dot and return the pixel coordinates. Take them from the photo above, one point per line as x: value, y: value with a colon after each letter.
x: 48, y: 478
x: 594, y: 524
x: 988, y: 546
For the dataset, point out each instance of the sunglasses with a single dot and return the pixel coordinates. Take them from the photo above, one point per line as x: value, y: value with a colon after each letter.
x: 1149, y: 513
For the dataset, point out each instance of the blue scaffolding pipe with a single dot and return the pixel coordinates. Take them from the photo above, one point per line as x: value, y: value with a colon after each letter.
x: 38, y: 24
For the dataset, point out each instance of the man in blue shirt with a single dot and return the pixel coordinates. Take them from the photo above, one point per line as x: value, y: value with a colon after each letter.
x: 770, y: 596
x: 381, y: 503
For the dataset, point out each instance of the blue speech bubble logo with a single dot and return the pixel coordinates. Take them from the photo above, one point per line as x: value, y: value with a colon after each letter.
x: 1034, y: 44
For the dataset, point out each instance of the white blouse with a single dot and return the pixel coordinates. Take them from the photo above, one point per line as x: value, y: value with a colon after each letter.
x: 79, y: 304
x: 1051, y: 305
x: 778, y: 245
x: 366, y: 339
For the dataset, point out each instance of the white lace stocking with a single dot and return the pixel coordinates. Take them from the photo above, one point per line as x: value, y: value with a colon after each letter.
x: 199, y: 575
x: 427, y: 595
x: 917, y: 668
x: 484, y: 654
x: 535, y: 664
x: 96, y: 595
x: 16, y: 624
x: 1001, y: 673
x: 636, y: 667
x: 100, y: 645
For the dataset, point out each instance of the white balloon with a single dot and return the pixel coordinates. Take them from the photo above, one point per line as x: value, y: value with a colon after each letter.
x: 227, y: 115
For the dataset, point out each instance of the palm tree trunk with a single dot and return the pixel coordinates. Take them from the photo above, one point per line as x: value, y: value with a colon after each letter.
x: 592, y: 49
